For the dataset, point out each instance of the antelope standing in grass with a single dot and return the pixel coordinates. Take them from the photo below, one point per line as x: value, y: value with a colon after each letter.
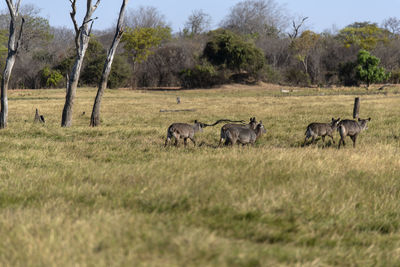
x: 316, y: 129
x: 251, y: 125
x: 351, y: 128
x: 183, y: 131
x: 187, y: 131
x: 244, y: 135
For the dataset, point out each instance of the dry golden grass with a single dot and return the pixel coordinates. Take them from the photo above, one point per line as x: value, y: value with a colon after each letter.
x: 113, y: 195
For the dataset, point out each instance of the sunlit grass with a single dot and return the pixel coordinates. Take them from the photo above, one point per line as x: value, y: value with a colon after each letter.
x: 113, y: 195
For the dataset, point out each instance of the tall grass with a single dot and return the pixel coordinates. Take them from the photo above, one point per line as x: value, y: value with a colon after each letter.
x: 113, y: 195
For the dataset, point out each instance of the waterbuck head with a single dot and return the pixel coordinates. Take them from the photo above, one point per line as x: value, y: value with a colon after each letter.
x: 253, y: 123
x: 198, y: 126
x: 335, y: 123
x: 363, y: 123
x: 260, y: 128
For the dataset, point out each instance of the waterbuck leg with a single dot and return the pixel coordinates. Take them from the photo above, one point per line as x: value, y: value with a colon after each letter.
x: 185, y: 141
x: 220, y: 142
x: 354, y: 138
x: 176, y: 141
x: 323, y: 139
x: 313, y: 140
x: 305, y: 140
x: 333, y: 140
x: 167, y: 141
x: 193, y: 140
x: 341, y: 141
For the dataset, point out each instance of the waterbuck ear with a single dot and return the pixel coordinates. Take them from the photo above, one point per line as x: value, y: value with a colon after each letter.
x: 338, y: 119
x: 333, y: 119
x: 195, y: 121
x: 369, y: 119
x: 359, y: 119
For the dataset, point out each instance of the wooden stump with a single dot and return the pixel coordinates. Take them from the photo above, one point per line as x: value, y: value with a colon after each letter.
x: 356, y: 109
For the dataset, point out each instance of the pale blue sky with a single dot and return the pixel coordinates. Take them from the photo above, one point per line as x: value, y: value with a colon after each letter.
x: 322, y: 13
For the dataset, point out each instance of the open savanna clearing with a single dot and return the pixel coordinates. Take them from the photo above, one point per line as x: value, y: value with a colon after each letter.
x: 113, y: 195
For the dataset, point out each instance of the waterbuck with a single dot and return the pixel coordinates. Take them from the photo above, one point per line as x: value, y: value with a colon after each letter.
x: 184, y: 131
x: 251, y: 125
x: 316, y: 129
x: 243, y: 135
x: 351, y: 128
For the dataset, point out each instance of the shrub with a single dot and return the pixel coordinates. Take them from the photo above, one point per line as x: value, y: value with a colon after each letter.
x: 50, y: 78
x: 203, y: 76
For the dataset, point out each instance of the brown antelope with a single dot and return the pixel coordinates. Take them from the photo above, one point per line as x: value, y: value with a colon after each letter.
x: 185, y: 131
x: 316, y: 129
x: 243, y: 135
x: 351, y: 128
x: 251, y: 125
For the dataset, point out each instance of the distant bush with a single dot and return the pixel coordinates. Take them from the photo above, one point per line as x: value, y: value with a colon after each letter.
x: 50, y: 78
x: 202, y: 76
x: 231, y: 51
x: 347, y: 74
x: 297, y: 77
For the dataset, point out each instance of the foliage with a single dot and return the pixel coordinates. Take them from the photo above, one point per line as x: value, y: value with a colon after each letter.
x: 363, y: 34
x: 297, y: 76
x: 120, y: 73
x: 201, y: 76
x: 368, y: 69
x: 50, y: 78
x: 230, y: 50
x: 93, y: 66
x: 304, y: 45
x: 139, y: 42
x: 347, y: 74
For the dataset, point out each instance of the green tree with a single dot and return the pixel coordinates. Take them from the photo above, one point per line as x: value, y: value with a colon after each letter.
x: 230, y: 50
x: 368, y: 69
x: 50, y: 77
x: 366, y: 35
x: 303, y: 46
x: 139, y: 43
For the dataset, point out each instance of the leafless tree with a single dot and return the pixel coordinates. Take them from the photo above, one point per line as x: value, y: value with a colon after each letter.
x: 82, y: 37
x: 296, y: 28
x: 145, y: 17
x: 13, y: 45
x: 198, y: 22
x: 95, y: 118
x: 392, y: 24
x: 264, y: 17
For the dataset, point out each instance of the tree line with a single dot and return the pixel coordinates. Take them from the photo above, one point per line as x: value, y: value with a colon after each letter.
x: 257, y: 41
x: 253, y: 43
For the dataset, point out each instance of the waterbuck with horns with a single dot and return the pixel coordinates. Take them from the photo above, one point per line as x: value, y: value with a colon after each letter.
x: 187, y: 131
x: 251, y: 125
x: 243, y: 135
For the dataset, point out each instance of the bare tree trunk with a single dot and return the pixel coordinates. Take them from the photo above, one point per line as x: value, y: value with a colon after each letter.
x: 13, y: 45
x: 356, y: 108
x: 82, y: 37
x: 95, y: 118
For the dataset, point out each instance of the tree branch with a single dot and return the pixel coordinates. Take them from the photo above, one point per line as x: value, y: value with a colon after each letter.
x: 296, y: 28
x: 20, y: 34
x: 73, y: 14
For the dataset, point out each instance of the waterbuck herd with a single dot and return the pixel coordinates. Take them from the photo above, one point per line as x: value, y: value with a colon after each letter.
x: 246, y: 134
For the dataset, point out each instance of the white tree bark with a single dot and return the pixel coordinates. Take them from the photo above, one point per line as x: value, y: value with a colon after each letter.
x: 82, y: 37
x: 13, y: 45
x: 95, y: 117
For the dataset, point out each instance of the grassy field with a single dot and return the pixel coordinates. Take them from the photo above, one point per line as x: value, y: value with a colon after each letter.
x: 114, y: 196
